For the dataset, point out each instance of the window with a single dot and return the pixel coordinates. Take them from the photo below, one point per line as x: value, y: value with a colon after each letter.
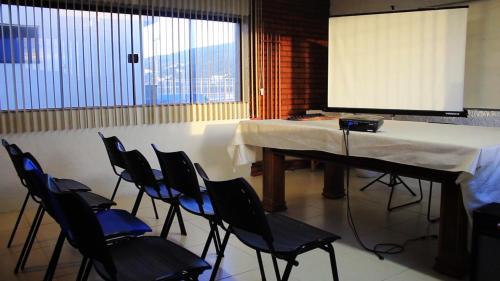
x: 80, y: 58
x: 19, y: 44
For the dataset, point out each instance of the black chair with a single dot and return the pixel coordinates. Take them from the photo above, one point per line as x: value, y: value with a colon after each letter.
x: 141, y: 258
x: 12, y: 151
x: 179, y: 172
x: 144, y: 178
x: 114, y: 223
x: 237, y: 204
x: 96, y: 201
x: 16, y: 155
x: 119, y: 168
x: 395, y: 180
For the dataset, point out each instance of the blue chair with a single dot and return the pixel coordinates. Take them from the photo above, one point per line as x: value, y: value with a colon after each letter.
x: 119, y: 167
x: 114, y: 223
x: 237, y: 204
x: 179, y: 173
x: 13, y: 150
x: 143, y: 177
x: 95, y: 200
x: 137, y: 258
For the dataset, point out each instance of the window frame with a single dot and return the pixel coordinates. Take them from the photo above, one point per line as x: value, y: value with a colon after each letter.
x: 128, y: 10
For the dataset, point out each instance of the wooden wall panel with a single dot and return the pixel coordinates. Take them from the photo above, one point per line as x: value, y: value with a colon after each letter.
x: 302, y: 29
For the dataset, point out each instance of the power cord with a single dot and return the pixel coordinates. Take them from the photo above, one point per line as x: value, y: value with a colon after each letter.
x: 379, y: 249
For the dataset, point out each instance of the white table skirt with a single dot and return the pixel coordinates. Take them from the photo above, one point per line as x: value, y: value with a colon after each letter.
x: 473, y: 151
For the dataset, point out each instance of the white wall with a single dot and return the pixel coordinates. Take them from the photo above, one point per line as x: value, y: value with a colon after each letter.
x: 482, y: 62
x: 80, y: 154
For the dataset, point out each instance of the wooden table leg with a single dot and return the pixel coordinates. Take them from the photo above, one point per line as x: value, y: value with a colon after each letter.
x: 452, y: 256
x: 333, y: 179
x: 273, y: 181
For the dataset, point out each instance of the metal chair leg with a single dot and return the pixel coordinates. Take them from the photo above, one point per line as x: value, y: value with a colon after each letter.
x: 261, y: 266
x: 168, y: 222
x: 288, y: 270
x: 86, y: 273
x: 28, y: 239
x: 180, y: 220
x: 18, y: 220
x: 213, y: 234
x: 154, y: 208
x: 137, y: 203
x: 207, y: 245
x: 219, y: 257
x: 116, y: 188
x: 216, y: 244
x: 276, y: 268
x: 333, y: 262
x: 49, y: 273
x: 218, y: 241
x: 28, y: 251
x: 83, y: 267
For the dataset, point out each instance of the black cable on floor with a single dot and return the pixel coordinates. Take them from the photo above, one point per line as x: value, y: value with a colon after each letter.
x: 379, y: 249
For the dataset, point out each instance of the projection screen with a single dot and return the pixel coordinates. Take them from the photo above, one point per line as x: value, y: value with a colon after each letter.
x: 398, y: 61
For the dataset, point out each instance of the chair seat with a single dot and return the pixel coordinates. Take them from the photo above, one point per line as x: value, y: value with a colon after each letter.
x: 68, y: 184
x: 290, y: 236
x: 151, y: 191
x: 96, y: 201
x: 192, y: 206
x: 115, y: 223
x: 126, y: 175
x: 152, y: 258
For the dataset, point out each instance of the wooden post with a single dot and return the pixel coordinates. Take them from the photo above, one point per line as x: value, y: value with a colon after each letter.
x: 273, y: 181
x: 333, y: 179
x: 452, y: 256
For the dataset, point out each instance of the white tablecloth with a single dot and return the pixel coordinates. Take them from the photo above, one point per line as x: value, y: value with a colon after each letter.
x: 473, y: 151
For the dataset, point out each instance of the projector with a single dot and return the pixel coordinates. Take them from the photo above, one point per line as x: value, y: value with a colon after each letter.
x: 362, y: 123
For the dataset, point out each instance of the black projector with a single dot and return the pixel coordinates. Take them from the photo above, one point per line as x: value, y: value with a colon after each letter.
x: 362, y: 123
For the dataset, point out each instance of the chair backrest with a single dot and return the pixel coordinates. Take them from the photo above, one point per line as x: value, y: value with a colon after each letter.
x: 5, y: 143
x: 236, y: 203
x: 14, y: 153
x: 179, y: 173
x: 139, y: 169
x: 201, y: 171
x: 115, y: 157
x: 32, y: 174
x: 25, y: 164
x: 71, y: 212
x: 44, y: 186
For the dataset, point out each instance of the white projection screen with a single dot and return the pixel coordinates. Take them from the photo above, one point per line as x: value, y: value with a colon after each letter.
x: 398, y: 61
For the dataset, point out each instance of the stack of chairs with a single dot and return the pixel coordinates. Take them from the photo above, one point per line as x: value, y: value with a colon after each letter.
x: 114, y: 241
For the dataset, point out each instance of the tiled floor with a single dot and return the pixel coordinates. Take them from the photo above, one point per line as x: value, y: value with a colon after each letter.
x: 375, y: 225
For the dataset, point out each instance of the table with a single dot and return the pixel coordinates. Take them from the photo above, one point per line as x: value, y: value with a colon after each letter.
x: 464, y: 159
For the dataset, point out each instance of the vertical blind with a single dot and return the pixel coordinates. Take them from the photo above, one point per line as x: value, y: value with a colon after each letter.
x: 265, y: 50
x: 80, y: 64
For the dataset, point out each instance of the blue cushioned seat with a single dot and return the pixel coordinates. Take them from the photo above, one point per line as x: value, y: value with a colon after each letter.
x: 126, y: 175
x: 190, y: 204
x: 119, y: 222
x: 151, y: 191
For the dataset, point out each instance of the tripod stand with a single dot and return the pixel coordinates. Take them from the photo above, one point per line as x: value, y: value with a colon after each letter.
x: 395, y: 180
